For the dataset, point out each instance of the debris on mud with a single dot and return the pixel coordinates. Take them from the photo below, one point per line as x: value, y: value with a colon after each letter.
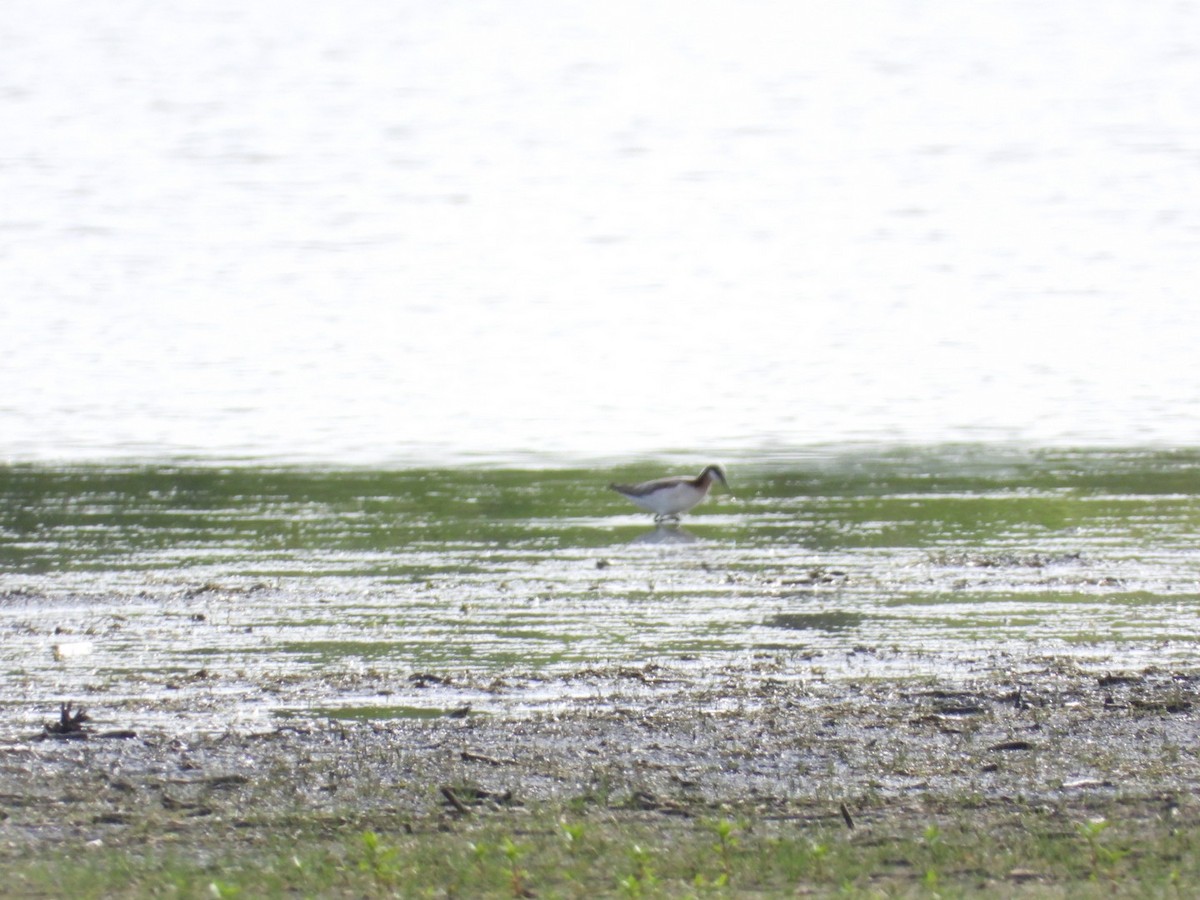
x: 982, y: 560
x: 658, y: 739
x: 425, y: 679
x: 465, y: 798
x: 70, y: 724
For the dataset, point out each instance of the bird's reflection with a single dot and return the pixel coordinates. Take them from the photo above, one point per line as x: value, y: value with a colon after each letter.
x: 666, y: 533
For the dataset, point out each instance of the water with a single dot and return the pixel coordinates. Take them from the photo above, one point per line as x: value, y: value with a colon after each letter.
x: 244, y: 593
x: 423, y: 233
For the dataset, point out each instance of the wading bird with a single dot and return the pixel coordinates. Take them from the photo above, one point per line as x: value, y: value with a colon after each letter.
x: 667, y: 498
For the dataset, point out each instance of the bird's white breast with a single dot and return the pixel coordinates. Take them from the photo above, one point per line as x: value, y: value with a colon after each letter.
x: 670, y: 501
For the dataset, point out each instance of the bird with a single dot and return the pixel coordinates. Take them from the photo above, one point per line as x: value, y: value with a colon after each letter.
x: 668, y: 497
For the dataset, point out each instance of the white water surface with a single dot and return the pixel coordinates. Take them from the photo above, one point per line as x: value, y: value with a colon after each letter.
x: 377, y: 231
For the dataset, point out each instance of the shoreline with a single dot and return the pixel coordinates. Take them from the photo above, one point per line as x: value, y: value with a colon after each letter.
x: 842, y: 756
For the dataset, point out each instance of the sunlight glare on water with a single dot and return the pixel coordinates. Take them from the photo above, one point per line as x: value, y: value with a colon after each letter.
x: 383, y: 232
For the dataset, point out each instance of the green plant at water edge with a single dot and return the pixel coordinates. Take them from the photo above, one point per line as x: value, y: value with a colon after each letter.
x: 1100, y: 855
x: 572, y: 834
x: 932, y: 840
x: 516, y: 875
x: 642, y: 879
x: 800, y: 860
x: 727, y: 843
x: 481, y: 851
x: 377, y: 861
x: 817, y: 854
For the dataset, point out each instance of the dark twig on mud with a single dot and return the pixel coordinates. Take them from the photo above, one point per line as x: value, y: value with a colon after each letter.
x: 453, y: 800
x: 1011, y: 745
x: 847, y: 818
x: 69, y: 724
x: 470, y: 756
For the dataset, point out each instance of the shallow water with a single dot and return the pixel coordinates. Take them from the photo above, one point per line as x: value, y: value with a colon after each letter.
x: 247, y: 592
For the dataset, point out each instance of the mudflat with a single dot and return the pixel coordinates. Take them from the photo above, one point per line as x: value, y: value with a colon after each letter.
x: 1044, y: 778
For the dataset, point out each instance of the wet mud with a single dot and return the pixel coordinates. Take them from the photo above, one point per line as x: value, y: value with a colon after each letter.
x: 651, y: 742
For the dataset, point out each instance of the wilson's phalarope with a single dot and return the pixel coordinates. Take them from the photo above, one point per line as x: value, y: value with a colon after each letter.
x: 668, y: 497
